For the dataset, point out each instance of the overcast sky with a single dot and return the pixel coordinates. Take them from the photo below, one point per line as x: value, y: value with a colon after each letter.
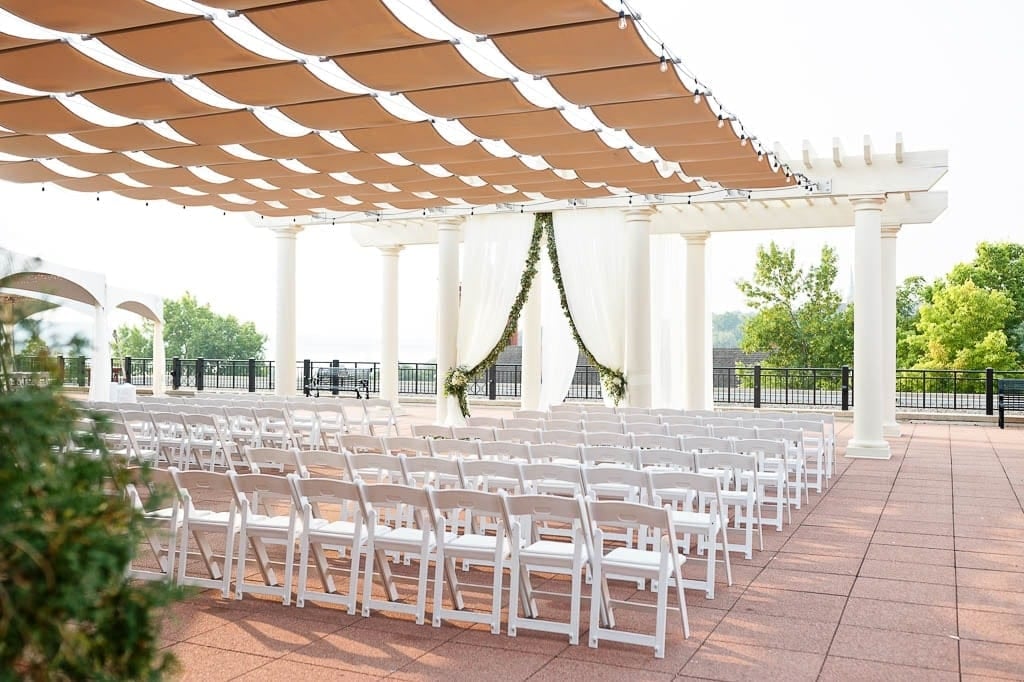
x: 941, y: 72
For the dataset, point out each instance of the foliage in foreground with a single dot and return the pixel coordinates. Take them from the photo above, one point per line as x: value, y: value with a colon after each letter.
x: 67, y: 611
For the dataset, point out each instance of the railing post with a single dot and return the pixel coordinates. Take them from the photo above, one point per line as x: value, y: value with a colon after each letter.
x: 200, y: 371
x: 492, y: 382
x: 989, y: 393
x: 60, y: 369
x: 307, y: 376
x: 252, y: 375
x: 334, y: 377
x: 128, y: 371
x: 757, y: 386
x: 176, y: 373
x: 845, y: 388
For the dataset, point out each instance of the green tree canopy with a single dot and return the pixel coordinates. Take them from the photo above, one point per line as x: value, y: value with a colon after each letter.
x: 799, y: 319
x: 727, y: 328
x: 999, y: 266
x: 911, y: 296
x: 962, y: 328
x: 194, y: 331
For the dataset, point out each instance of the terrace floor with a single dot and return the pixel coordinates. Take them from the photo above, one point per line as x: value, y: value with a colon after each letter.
x: 907, y: 569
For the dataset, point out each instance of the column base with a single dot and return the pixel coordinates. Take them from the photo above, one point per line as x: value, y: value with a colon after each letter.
x: 868, y: 449
x: 892, y: 430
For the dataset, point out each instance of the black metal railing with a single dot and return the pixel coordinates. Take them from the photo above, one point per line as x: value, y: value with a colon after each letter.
x: 757, y: 386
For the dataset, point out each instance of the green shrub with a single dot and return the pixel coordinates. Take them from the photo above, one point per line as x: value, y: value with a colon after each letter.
x: 67, y: 611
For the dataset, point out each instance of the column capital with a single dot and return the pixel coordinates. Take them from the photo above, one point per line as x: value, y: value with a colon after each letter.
x: 890, y: 231
x: 391, y: 250
x: 449, y: 223
x: 696, y: 237
x: 868, y: 202
x: 287, y: 231
x: 634, y: 214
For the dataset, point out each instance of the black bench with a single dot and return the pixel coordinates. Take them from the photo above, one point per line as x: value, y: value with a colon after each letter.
x: 337, y: 379
x: 1011, y: 397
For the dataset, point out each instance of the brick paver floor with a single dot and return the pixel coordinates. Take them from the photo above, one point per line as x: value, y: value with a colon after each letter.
x: 906, y: 569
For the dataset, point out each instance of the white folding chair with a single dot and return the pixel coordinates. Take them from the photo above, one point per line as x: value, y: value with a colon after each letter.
x: 742, y: 494
x: 696, y: 503
x: 144, y: 433
x: 356, y: 443
x: 243, y: 427
x: 518, y: 435
x: 687, y: 430
x: 493, y: 548
x: 412, y: 535
x: 481, y: 433
x: 261, y: 460
x: 529, y: 414
x: 555, y: 453
x: 534, y: 548
x: 171, y: 435
x: 664, y: 458
x: 208, y: 519
x: 322, y: 464
x: 660, y: 565
x: 410, y: 446
x: 561, y: 425
x: 274, y: 430
x: 506, y: 451
x: 316, y: 498
x: 646, y: 428
x: 619, y: 440
x: 379, y: 412
x: 708, y: 444
x: 773, y: 472
x: 280, y: 525
x: 431, y: 431
x: 490, y: 422
x: 152, y: 491
x: 563, y: 437
x: 648, y: 441
x: 207, y: 443
x: 450, y: 448
x: 796, y: 459
x: 815, y: 445
x: 529, y: 424
x: 331, y: 419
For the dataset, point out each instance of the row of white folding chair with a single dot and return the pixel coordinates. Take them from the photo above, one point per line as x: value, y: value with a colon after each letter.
x: 431, y: 539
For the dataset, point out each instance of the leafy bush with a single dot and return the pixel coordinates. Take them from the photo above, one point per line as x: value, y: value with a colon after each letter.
x: 67, y: 611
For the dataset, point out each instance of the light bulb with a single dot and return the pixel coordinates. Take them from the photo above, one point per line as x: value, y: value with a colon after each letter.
x: 664, y: 64
x: 696, y: 97
x: 721, y: 122
x: 622, y: 20
x: 743, y: 141
x: 760, y: 156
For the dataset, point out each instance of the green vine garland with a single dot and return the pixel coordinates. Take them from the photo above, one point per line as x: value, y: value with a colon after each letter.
x: 613, y: 380
x: 456, y: 380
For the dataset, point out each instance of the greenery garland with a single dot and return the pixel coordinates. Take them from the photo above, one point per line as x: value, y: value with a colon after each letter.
x: 613, y: 380
x: 456, y: 380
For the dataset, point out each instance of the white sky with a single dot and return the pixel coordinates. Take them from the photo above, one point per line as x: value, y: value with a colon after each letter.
x: 941, y: 72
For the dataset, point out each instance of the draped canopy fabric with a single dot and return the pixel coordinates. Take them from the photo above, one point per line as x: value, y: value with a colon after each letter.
x: 494, y: 249
x: 590, y: 247
x: 553, y: 101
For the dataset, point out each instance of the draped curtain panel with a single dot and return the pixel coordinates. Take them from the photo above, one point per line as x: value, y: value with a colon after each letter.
x: 494, y: 249
x: 591, y: 244
x: 558, y: 360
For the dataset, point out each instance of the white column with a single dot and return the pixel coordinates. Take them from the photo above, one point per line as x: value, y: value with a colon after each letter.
x: 868, y: 331
x: 695, y: 316
x: 890, y: 427
x: 284, y: 337
x: 530, y: 342
x: 389, y: 323
x: 447, y: 306
x: 159, y: 359
x: 99, y: 383
x: 638, y: 307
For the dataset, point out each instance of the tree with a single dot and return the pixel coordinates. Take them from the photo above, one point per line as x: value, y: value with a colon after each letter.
x: 999, y: 266
x: 67, y: 609
x: 962, y: 328
x: 799, y: 319
x: 727, y: 328
x: 910, y: 297
x: 194, y: 331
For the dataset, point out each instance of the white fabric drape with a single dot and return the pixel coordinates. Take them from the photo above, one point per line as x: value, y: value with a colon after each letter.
x: 668, y: 286
x: 591, y: 244
x: 494, y: 249
x: 558, y: 361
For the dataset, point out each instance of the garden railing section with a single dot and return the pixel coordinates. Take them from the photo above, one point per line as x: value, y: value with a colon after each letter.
x: 756, y: 386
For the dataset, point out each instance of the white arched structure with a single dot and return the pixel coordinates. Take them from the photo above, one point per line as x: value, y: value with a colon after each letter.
x: 53, y: 284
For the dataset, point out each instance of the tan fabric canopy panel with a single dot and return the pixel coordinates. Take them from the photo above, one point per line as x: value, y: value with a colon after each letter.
x: 576, y: 45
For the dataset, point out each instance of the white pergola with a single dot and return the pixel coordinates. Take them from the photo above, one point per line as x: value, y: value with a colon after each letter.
x: 33, y: 285
x: 876, y: 193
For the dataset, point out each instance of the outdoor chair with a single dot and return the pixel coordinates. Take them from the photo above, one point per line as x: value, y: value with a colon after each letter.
x: 152, y: 491
x: 492, y: 548
x: 659, y: 565
x: 667, y: 458
x: 431, y: 431
x: 200, y: 522
x: 491, y: 422
x: 378, y: 412
x: 481, y: 433
x: 742, y: 494
x: 774, y: 465
x: 518, y: 435
x: 646, y: 441
x: 280, y: 525
x: 621, y: 440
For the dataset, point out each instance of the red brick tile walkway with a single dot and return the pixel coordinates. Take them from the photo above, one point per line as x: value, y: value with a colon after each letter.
x: 907, y: 569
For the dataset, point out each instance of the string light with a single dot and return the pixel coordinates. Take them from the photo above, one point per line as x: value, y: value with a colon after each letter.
x: 721, y: 121
x: 696, y: 97
x: 622, y: 19
x: 743, y: 140
x: 664, y: 62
